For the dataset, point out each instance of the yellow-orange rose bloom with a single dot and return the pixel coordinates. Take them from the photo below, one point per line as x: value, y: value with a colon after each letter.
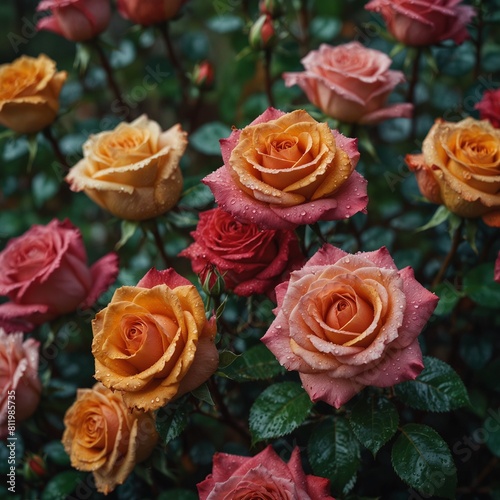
x: 153, y: 341
x: 459, y: 167
x: 102, y: 435
x: 132, y: 171
x: 29, y: 93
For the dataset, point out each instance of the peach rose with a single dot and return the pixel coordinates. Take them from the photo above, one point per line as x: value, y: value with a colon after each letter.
x: 286, y: 169
x: 350, y: 83
x: 265, y: 476
x: 104, y: 436
x: 459, y: 167
x: 153, y: 342
x: 29, y: 93
x: 132, y: 171
x: 20, y: 386
x: 347, y: 321
x: 424, y: 22
x: 149, y: 12
x: 75, y: 20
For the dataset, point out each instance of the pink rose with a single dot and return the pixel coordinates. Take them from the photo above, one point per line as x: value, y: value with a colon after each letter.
x: 265, y: 475
x: 19, y: 383
x: 489, y: 107
x: 149, y: 12
x: 251, y: 260
x: 45, y: 274
x: 350, y: 83
x: 347, y: 321
x: 75, y: 20
x: 424, y: 22
x: 497, y: 268
x: 286, y: 169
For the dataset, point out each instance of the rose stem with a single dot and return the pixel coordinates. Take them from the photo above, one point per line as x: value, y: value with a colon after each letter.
x: 159, y: 242
x: 47, y: 132
x: 109, y: 74
x: 226, y: 415
x: 449, y: 257
x: 268, y: 54
x: 304, y: 27
x: 479, y: 39
x: 411, y: 89
x: 179, y: 70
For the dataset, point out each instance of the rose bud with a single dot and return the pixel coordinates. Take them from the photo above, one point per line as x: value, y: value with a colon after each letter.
x: 262, y: 34
x: 203, y: 75
x: 149, y: 12
x: 34, y: 467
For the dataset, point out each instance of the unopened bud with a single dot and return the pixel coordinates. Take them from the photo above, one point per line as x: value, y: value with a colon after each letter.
x: 203, y: 75
x: 212, y: 281
x: 262, y: 34
x: 34, y: 467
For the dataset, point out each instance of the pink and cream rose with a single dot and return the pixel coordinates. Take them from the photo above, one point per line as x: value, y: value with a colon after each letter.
x: 350, y: 83
x: 20, y: 386
x: 149, y: 12
x: 264, y: 475
x: 424, y: 22
x: 75, y: 20
x: 45, y: 274
x: 348, y: 321
x: 286, y: 169
x: 251, y: 260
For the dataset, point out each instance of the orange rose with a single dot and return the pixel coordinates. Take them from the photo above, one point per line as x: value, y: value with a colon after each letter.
x: 133, y: 170
x: 102, y: 435
x: 460, y: 168
x: 153, y: 341
x: 29, y: 93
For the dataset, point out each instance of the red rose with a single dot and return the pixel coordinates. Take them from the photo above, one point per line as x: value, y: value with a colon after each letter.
x: 489, y: 107
x: 75, y: 20
x: 265, y: 475
x: 251, y: 260
x: 347, y: 321
x: 45, y: 274
x: 424, y: 22
x: 150, y: 11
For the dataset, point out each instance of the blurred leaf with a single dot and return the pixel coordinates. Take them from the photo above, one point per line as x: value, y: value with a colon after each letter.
x: 422, y: 459
x: 56, y: 453
x: 448, y: 298
x: 82, y: 57
x: 43, y: 188
x: 206, y: 138
x: 438, y: 388
x: 476, y: 350
x: 279, y: 410
x: 225, y: 23
x: 470, y: 233
x: 492, y: 432
x: 374, y: 420
x: 128, y: 228
x: 182, y: 219
x: 199, y: 196
x: 440, y: 215
x: 256, y: 363
x: 177, y: 494
x: 480, y: 286
x: 59, y: 487
x: 334, y: 453
x: 325, y: 29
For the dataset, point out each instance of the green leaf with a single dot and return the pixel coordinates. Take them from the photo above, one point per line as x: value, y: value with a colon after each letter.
x: 128, y: 228
x: 448, y: 298
x: 438, y: 388
x: 334, y: 453
x: 206, y: 138
x: 257, y: 363
x: 279, y: 410
x: 182, y: 219
x: 492, y: 432
x: 178, y: 494
x: 43, y: 188
x: 374, y: 421
x: 440, y: 215
x: 423, y: 460
x: 203, y: 393
x: 480, y: 286
x: 199, y: 196
x: 226, y: 358
x: 172, y: 419
x: 56, y: 453
x: 470, y: 233
x: 59, y: 487
x: 225, y: 23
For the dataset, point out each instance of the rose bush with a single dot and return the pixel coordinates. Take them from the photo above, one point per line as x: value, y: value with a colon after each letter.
x: 75, y: 20
x: 150, y: 12
x: 19, y: 382
x: 489, y: 107
x: 286, y: 169
x: 459, y: 167
x: 424, y: 22
x: 350, y: 83
x: 29, y: 93
x: 132, y: 171
x: 45, y: 274
x: 250, y: 260
x: 153, y: 342
x: 104, y: 436
x: 264, y: 475
x: 347, y: 321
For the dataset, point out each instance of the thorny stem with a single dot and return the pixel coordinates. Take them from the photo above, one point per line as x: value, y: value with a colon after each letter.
x: 47, y: 132
x: 449, y: 257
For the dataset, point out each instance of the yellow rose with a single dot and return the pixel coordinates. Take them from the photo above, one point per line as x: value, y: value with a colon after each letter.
x: 29, y: 93
x: 132, y: 171
x: 153, y: 341
x: 104, y: 436
x: 459, y: 167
